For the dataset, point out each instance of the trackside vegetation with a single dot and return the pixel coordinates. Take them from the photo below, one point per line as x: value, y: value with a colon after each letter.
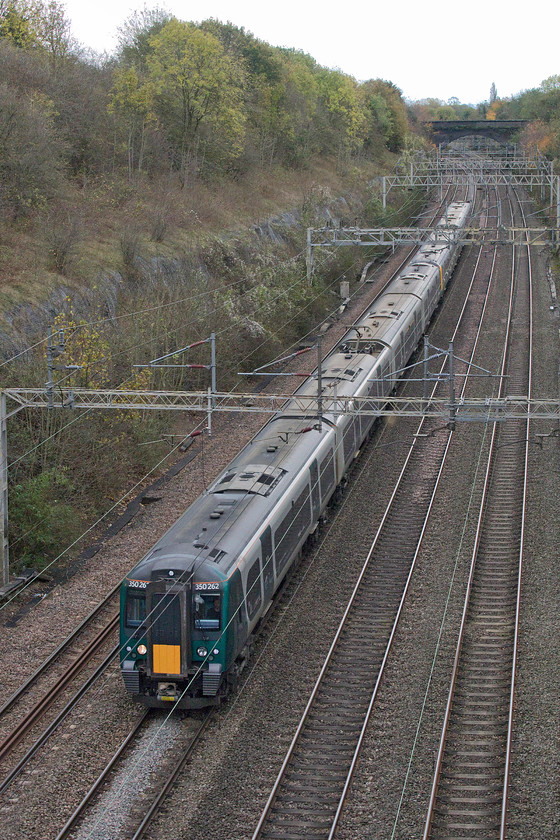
x: 156, y: 195
x: 149, y: 198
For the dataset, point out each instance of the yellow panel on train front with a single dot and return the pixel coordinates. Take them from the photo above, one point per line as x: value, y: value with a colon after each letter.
x: 167, y: 659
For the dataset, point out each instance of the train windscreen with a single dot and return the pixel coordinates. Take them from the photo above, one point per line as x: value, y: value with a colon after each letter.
x: 207, y: 611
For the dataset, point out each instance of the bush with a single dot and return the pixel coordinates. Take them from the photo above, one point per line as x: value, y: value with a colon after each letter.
x: 41, y: 518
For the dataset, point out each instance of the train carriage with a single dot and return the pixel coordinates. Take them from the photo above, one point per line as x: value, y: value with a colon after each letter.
x: 189, y: 607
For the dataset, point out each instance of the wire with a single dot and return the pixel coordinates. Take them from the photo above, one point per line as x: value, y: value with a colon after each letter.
x: 143, y: 344
x: 74, y: 420
x: 350, y: 427
x: 86, y: 413
x: 23, y: 352
x: 440, y: 633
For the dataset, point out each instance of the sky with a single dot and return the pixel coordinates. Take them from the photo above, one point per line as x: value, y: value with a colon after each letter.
x: 427, y: 50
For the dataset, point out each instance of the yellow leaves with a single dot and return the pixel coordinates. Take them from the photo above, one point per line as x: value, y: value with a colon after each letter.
x: 195, y: 80
x: 140, y: 380
x: 130, y: 93
x: 84, y: 346
x: 340, y: 95
x: 540, y: 135
x: 493, y: 109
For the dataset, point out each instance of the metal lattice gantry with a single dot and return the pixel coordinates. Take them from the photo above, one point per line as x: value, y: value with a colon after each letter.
x: 450, y: 411
x: 469, y: 170
x: 486, y: 409
x: 464, y: 169
x: 392, y: 237
x: 324, y: 237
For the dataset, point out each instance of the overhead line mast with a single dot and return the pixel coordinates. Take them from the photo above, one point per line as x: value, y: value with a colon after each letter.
x: 514, y: 170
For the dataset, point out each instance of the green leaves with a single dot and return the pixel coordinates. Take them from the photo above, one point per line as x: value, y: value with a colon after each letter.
x: 217, y: 93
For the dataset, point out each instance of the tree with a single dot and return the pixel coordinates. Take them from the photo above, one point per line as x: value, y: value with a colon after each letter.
x: 395, y: 138
x: 132, y: 98
x: 378, y: 115
x: 196, y: 85
x: 302, y: 106
x: 54, y: 32
x: 552, y: 83
x: 539, y: 135
x: 80, y: 94
x: 34, y: 23
x: 338, y: 94
x: 19, y: 23
x: 135, y: 35
x: 269, y: 122
x: 493, y: 93
x: 29, y: 161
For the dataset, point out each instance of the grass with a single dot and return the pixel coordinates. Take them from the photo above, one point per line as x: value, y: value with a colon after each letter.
x: 166, y: 221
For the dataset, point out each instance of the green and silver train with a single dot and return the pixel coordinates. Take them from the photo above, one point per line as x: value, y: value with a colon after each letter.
x: 190, y: 606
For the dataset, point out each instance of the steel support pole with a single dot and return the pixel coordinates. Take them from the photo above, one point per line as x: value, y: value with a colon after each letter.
x: 320, y: 379
x: 426, y: 371
x: 50, y: 369
x: 4, y: 554
x: 452, y: 402
x: 213, y: 372
x: 384, y: 180
x: 309, y: 257
x: 209, y: 411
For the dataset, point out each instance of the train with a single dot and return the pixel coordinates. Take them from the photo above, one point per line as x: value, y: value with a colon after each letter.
x: 190, y: 607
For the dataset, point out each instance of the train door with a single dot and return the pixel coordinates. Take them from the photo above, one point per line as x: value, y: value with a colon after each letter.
x: 267, y: 564
x: 236, y: 620
x: 315, y: 497
x: 168, y: 611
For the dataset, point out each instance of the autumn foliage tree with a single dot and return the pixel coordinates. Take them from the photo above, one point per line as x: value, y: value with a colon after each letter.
x: 178, y: 99
x: 197, y: 95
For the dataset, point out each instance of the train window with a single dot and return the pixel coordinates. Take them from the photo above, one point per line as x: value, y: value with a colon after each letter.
x: 290, y: 530
x: 254, y: 597
x: 207, y: 611
x: 327, y: 474
x: 166, y: 619
x: 349, y: 441
x: 267, y: 563
x: 135, y: 610
x: 315, y: 498
x: 235, y: 599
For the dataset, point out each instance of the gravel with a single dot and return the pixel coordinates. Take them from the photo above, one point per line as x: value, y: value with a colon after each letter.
x: 34, y: 626
x: 228, y: 780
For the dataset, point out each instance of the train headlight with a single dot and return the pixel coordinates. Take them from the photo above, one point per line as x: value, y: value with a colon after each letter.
x: 201, y: 651
x: 142, y: 650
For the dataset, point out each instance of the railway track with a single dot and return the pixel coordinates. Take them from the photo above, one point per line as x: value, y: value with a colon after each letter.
x: 56, y: 672
x: 51, y: 728
x: 152, y: 810
x: 309, y: 793
x: 64, y: 648
x: 52, y: 682
x: 470, y: 786
x: 53, y: 691
x: 133, y: 819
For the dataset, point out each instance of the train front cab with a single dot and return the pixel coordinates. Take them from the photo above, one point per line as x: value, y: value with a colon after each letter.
x: 173, y: 642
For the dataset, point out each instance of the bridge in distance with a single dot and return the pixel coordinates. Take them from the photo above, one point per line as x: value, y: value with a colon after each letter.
x: 445, y: 131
